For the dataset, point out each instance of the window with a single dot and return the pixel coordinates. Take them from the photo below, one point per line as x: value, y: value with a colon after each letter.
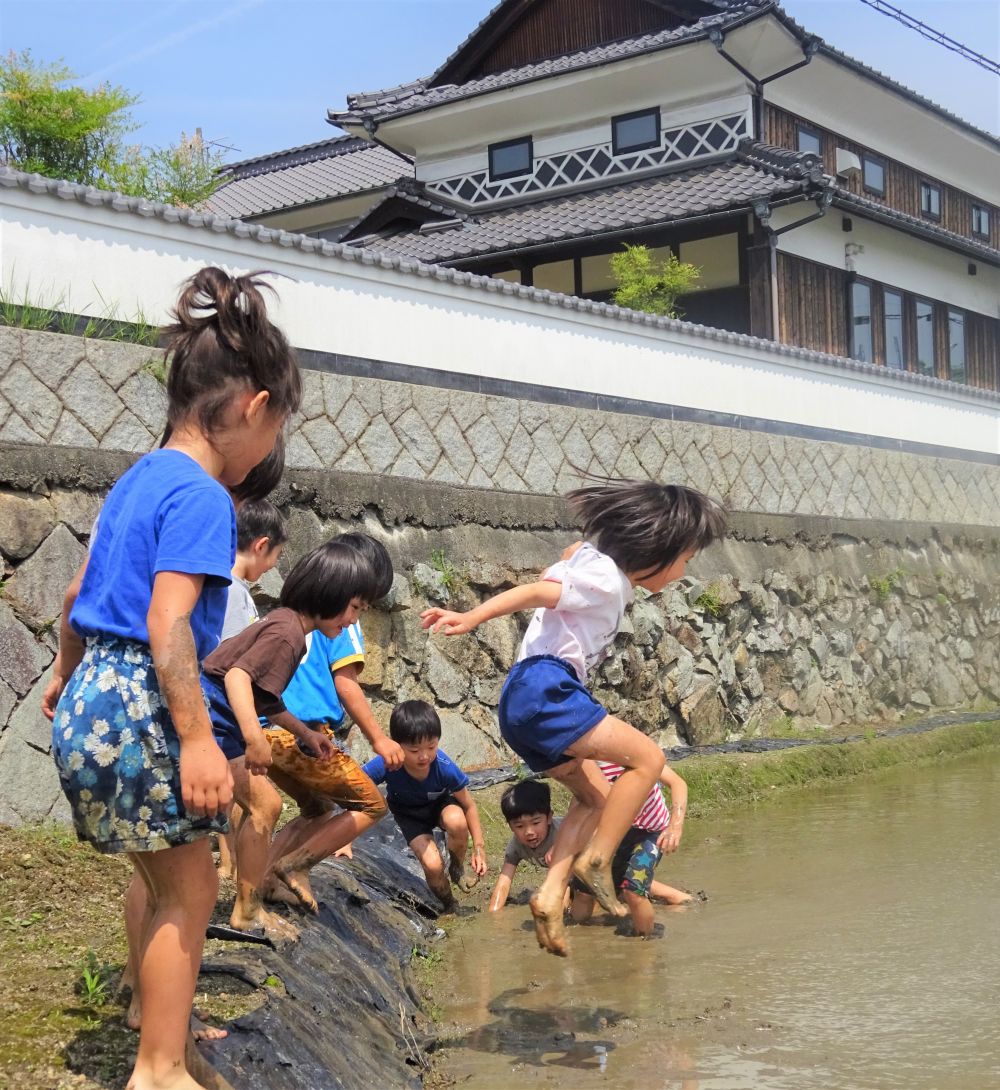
x: 510, y: 158
x: 873, y: 174
x: 717, y: 257
x: 861, y: 321
x: 809, y: 140
x: 895, y: 356
x: 980, y: 221
x: 956, y: 346
x: 930, y: 200
x: 634, y: 132
x: 925, y: 337
x: 556, y: 276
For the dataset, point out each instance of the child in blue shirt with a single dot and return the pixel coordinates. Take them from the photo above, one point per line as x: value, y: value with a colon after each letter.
x: 430, y: 791
x: 131, y: 735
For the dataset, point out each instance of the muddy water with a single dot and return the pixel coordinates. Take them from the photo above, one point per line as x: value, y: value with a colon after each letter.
x: 851, y: 942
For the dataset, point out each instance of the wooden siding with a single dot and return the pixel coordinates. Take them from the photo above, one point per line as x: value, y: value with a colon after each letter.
x: 982, y: 351
x: 812, y: 305
x: 902, y: 183
x: 553, y: 27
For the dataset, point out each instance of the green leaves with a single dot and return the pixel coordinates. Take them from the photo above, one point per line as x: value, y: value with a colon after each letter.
x: 647, y: 284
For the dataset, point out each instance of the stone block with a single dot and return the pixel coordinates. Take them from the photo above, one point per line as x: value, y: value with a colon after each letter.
x: 415, y: 435
x: 22, y: 657
x: 379, y: 445
x: 449, y: 682
x: 71, y: 433
x: 94, y: 403
x: 377, y: 629
x: 146, y: 398
x: 10, y: 347
x: 29, y: 783
x: 117, y: 361
x: 128, y: 433
x: 300, y: 455
x: 15, y: 430
x: 704, y: 714
x: 31, y: 399
x: 25, y: 522
x: 38, y: 586
x: 313, y: 403
x: 471, y: 737
x: 8, y: 698
x: 51, y: 356
x: 77, y: 509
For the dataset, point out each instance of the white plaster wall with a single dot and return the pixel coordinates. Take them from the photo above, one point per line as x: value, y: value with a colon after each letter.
x: 892, y: 258
x: 55, y: 248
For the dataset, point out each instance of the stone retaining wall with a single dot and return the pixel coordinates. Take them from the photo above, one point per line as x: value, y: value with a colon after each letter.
x: 790, y: 621
x: 66, y: 391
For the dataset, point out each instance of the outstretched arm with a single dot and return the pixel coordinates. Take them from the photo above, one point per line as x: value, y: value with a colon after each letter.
x: 544, y: 593
x: 355, y: 703
x: 501, y: 891
x: 670, y: 838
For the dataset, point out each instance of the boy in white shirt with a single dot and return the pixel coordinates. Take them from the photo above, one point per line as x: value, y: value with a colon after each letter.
x: 638, y: 533
x: 260, y: 537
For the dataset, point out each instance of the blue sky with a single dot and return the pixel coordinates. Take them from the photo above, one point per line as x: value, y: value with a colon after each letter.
x: 258, y: 75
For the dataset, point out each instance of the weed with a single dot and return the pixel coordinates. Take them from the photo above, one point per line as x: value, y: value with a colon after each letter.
x: 4, y: 580
x: 450, y: 575
x: 47, y: 626
x: 95, y: 980
x: 17, y: 923
x: 156, y: 368
x: 942, y: 599
x: 869, y: 734
x: 272, y: 981
x: 884, y: 585
x: 25, y: 311
x: 709, y: 601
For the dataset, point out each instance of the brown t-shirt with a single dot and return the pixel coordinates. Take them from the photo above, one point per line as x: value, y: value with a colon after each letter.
x: 269, y: 651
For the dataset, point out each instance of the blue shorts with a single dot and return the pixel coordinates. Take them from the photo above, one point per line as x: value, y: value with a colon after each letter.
x: 118, y: 754
x: 544, y: 708
x: 225, y: 728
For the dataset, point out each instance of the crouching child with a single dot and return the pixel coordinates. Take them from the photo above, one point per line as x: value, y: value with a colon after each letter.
x: 430, y: 791
x: 527, y: 809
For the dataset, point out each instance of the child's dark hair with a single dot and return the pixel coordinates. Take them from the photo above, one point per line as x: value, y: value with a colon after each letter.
x: 265, y: 476
x: 257, y: 519
x: 414, y: 721
x: 376, y: 554
x: 221, y: 343
x: 644, y: 525
x: 526, y: 797
x: 324, y: 581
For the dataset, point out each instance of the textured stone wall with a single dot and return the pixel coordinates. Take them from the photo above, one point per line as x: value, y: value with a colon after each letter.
x: 65, y: 391
x: 804, y: 621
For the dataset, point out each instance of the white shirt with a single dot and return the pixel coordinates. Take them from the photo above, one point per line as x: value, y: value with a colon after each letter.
x: 241, y: 610
x: 585, y: 621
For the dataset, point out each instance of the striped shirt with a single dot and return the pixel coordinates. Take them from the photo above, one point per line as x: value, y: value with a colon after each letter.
x: 654, y: 815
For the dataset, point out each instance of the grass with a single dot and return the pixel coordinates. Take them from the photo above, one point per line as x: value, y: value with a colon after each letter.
x: 450, y: 575
x: 709, y: 602
x: 884, y: 585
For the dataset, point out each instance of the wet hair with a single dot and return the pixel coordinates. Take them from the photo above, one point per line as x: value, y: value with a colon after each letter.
x: 222, y: 343
x: 526, y: 797
x: 377, y: 556
x: 644, y: 525
x: 324, y: 581
x: 414, y: 721
x: 260, y: 518
x: 265, y: 476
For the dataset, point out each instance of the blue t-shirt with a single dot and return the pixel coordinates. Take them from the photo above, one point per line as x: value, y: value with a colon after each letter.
x: 165, y: 514
x: 311, y: 694
x: 444, y: 776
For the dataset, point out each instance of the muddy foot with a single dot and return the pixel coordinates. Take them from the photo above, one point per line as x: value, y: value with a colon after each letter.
x: 549, y: 928
x: 596, y: 876
x: 269, y: 924
x: 464, y: 879
x: 298, y: 882
x: 276, y: 892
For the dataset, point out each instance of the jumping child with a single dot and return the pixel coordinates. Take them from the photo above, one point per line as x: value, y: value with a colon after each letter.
x: 244, y: 679
x: 131, y: 736
x: 638, y: 534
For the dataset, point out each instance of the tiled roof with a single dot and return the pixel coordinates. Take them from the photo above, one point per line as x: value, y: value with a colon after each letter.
x: 301, y: 176
x: 613, y: 209
x: 188, y: 219
x: 419, y: 95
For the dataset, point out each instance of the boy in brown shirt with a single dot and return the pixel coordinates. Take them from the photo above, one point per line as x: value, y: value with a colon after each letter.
x: 243, y: 680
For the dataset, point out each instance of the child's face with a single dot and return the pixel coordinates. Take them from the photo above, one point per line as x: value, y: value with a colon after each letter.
x: 531, y: 829
x: 657, y: 580
x: 333, y: 626
x: 419, y: 756
x: 262, y: 559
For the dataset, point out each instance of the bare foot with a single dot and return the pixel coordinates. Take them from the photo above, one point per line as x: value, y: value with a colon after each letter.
x: 549, y: 926
x: 596, y: 876
x: 272, y: 925
x: 298, y: 882
x: 133, y: 1017
x: 465, y: 880
x: 201, y: 1071
x: 277, y: 892
x: 202, y: 1031
x: 344, y: 853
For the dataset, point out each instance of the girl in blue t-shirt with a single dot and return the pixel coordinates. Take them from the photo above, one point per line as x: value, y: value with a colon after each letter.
x: 131, y: 735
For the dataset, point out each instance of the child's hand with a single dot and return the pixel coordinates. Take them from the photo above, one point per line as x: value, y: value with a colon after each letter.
x: 258, y: 754
x: 50, y: 698
x: 317, y: 745
x: 206, y: 782
x: 478, y: 860
x: 446, y: 620
x: 670, y: 838
x: 391, y: 752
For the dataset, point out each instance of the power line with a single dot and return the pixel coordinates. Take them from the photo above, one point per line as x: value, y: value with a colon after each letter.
x: 934, y: 35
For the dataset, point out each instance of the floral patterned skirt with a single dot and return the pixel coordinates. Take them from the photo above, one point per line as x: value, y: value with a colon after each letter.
x: 118, y: 754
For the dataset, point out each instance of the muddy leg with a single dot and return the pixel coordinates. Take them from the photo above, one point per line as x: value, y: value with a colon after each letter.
x: 426, y: 851
x: 333, y: 833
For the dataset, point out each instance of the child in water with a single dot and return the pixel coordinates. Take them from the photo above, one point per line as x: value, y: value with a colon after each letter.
x: 638, y: 534
x: 131, y: 735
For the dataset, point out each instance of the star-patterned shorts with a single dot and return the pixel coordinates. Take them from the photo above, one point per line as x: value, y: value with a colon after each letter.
x: 636, y: 859
x: 118, y: 754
